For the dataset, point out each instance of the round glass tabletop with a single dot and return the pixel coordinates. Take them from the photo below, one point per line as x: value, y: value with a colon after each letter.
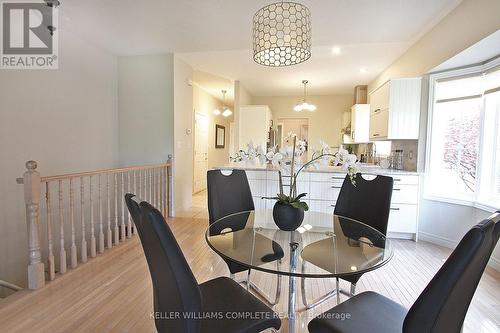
x: 325, y: 245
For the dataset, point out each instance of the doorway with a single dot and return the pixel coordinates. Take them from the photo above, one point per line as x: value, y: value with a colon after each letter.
x: 200, y: 152
x: 299, y: 126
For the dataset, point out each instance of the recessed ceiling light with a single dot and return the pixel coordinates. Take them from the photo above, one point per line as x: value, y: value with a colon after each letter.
x: 336, y: 50
x: 363, y: 70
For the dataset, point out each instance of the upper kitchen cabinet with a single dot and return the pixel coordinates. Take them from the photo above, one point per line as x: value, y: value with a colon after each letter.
x: 360, y: 123
x: 254, y: 124
x: 395, y: 110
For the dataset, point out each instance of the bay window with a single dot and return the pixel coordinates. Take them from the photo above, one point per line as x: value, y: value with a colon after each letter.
x: 463, y: 147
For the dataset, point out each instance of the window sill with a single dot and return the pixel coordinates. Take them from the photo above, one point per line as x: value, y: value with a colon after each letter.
x: 489, y: 207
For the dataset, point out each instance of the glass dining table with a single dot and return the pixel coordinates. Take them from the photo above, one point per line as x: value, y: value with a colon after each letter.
x: 324, y: 246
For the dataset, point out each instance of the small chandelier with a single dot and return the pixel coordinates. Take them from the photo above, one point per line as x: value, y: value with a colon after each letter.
x: 304, y: 106
x: 282, y: 34
x: 226, y: 112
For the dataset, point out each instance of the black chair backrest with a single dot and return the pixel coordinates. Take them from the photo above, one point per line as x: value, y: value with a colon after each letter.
x: 174, y: 285
x: 443, y: 304
x: 134, y: 209
x: 369, y: 201
x: 228, y: 194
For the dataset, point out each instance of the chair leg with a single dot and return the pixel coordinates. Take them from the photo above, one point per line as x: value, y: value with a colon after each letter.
x: 254, y: 287
x: 317, y: 301
x: 353, y: 289
x: 337, y: 284
x: 248, y: 279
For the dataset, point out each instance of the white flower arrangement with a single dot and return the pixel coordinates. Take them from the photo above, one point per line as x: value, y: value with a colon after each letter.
x: 286, y: 161
x: 252, y: 154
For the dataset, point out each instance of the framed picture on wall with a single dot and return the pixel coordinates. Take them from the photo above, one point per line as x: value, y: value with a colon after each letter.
x: 220, y: 136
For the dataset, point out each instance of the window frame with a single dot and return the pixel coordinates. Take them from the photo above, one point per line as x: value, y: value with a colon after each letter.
x: 477, y: 202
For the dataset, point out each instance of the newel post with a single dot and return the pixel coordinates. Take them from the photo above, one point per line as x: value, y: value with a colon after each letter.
x: 31, y: 181
x: 170, y: 188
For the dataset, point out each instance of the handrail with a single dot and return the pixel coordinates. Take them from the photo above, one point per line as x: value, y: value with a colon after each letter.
x: 103, y: 171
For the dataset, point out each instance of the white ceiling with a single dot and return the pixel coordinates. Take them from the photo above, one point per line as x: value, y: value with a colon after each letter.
x: 215, y: 36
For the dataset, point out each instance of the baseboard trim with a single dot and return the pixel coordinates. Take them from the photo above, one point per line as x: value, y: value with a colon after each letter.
x: 451, y: 244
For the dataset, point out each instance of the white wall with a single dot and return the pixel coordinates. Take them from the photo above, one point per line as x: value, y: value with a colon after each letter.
x: 146, y: 104
x: 183, y: 123
x: 241, y: 97
x: 324, y: 124
x: 445, y: 224
x: 65, y: 119
x: 205, y: 103
x: 468, y: 23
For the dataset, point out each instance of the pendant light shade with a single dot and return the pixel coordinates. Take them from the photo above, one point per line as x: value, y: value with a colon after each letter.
x: 304, y: 105
x: 282, y: 34
x: 226, y: 112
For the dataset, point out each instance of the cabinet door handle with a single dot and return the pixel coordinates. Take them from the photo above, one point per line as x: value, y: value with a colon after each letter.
x: 376, y: 111
x: 395, y: 208
x: 397, y: 179
x: 332, y: 206
x: 341, y: 178
x: 396, y: 189
x: 376, y: 134
x: 336, y: 187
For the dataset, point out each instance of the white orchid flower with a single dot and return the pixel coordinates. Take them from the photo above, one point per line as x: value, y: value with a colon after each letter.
x: 276, y: 160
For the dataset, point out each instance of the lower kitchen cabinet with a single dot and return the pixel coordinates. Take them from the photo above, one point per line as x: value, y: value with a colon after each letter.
x: 323, y: 189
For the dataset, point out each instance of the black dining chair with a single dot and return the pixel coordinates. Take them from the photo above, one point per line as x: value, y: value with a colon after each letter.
x: 368, y: 201
x: 440, y: 308
x: 180, y: 303
x: 229, y: 193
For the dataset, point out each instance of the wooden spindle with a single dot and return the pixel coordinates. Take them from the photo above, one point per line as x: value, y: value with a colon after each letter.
x: 145, y: 193
x: 109, y: 233
x: 136, y: 191
x: 74, y: 262
x: 93, y: 249
x: 140, y: 186
x: 82, y: 221
x: 129, y: 189
x: 162, y: 201
x: 122, y: 201
x: 116, y: 229
x: 151, y: 187
x: 31, y: 181
x: 153, y: 191
x: 62, y: 249
x: 50, y: 257
x: 158, y: 183
x: 170, y: 187
x: 101, y: 231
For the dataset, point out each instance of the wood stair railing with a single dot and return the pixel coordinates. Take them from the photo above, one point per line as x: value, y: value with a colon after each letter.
x: 95, y: 201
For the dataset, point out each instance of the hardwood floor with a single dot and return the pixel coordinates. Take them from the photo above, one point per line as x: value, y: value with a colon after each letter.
x: 112, y: 293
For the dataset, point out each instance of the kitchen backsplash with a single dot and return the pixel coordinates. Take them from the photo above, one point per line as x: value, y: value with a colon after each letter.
x: 383, y: 149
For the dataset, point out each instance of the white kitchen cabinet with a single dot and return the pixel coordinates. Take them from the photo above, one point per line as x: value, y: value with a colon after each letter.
x: 379, y: 124
x: 405, y: 194
x: 360, y: 123
x: 258, y: 187
x: 254, y: 124
x: 395, y: 110
x: 402, y: 219
x: 323, y: 189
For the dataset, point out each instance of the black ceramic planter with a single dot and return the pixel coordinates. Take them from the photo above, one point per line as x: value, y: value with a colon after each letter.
x: 286, y: 217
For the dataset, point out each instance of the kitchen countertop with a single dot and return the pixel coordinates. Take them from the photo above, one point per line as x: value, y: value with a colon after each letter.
x: 370, y: 169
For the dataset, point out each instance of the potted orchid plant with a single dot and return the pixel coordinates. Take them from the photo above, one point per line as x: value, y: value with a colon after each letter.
x: 288, y: 211
x: 250, y: 156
